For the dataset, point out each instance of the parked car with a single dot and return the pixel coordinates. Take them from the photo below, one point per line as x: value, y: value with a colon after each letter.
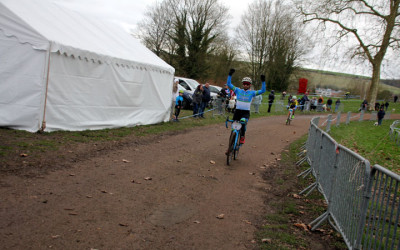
x: 190, y: 85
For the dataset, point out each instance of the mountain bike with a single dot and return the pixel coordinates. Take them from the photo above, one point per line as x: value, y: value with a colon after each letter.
x: 234, y: 144
x: 289, y: 118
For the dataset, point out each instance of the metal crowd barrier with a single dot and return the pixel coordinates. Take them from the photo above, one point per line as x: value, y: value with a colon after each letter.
x: 363, y: 202
x: 394, y: 132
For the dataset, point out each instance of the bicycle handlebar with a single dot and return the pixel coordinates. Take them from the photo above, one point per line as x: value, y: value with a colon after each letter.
x: 227, y: 120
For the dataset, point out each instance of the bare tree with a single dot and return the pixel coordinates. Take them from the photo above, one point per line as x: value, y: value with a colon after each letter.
x: 154, y: 28
x: 197, y: 25
x: 185, y: 33
x: 375, y: 25
x: 270, y: 36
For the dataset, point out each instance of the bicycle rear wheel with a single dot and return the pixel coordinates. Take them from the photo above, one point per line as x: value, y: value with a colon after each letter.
x: 288, y: 120
x: 231, y: 145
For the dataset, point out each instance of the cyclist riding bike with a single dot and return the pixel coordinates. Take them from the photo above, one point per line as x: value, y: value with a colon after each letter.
x: 243, y: 100
x: 293, y: 105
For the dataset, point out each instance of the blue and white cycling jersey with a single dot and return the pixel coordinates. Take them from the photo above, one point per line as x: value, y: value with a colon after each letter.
x: 244, y: 97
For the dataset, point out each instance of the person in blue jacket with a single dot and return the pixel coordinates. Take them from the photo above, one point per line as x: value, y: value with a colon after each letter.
x: 178, y: 105
x: 243, y: 100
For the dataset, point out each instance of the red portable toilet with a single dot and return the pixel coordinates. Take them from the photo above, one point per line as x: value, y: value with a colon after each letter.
x: 302, y: 86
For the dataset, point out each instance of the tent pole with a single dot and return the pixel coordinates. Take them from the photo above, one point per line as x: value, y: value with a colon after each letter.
x: 45, y: 96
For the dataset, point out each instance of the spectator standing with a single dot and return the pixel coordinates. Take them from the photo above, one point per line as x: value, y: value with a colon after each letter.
x: 178, y: 105
x: 271, y: 98
x: 337, y: 104
x: 377, y: 106
x: 256, y: 103
x: 283, y: 95
x: 175, y: 93
x: 329, y: 104
x: 386, y: 105
x: 314, y: 103
x: 205, y: 99
x: 395, y: 98
x: 303, y: 101
x: 364, y: 105
x: 289, y: 99
x: 381, y: 114
x: 197, y: 97
x: 320, y: 103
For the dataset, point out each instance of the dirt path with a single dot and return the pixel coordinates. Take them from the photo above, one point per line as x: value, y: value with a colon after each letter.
x: 105, y: 202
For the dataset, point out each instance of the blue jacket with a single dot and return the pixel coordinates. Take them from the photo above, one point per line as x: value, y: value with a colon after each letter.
x: 244, y: 97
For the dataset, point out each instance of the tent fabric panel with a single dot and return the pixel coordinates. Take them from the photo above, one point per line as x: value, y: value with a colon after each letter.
x: 75, y: 34
x: 108, y: 96
x: 22, y: 85
x: 13, y: 26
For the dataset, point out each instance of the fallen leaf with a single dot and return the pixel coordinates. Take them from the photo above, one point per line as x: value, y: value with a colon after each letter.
x: 246, y: 221
x: 148, y: 178
x: 222, y: 144
x: 220, y: 216
x: 196, y: 221
x: 296, y: 196
x: 71, y: 174
x: 55, y: 236
x: 252, y: 173
x: 212, y: 162
x: 266, y: 241
x: 301, y: 226
x: 23, y: 155
x: 104, y: 191
x: 72, y: 213
x: 123, y: 225
x: 179, y: 160
x: 89, y: 196
x: 126, y: 161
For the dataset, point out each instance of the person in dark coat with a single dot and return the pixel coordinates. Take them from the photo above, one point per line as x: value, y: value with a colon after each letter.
x: 197, y: 97
x: 386, y: 105
x: 337, y: 104
x: 205, y: 99
x: 271, y: 98
x: 395, y: 98
x: 381, y: 115
x: 329, y: 104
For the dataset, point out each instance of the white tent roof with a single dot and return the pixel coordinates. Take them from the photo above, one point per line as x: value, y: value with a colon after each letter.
x: 44, y: 22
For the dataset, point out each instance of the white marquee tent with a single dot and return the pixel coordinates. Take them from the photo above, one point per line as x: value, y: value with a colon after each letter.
x: 61, y: 70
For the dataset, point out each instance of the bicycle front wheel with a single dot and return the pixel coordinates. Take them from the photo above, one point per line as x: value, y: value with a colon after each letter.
x: 229, y: 155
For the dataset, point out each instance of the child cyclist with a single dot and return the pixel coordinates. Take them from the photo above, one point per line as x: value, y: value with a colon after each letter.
x: 293, y: 105
x: 243, y: 100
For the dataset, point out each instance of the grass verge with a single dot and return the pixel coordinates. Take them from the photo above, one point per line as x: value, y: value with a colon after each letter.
x: 286, y: 224
x: 371, y: 142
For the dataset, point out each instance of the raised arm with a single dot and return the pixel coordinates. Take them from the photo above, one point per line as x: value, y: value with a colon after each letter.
x: 263, y: 87
x: 228, y: 82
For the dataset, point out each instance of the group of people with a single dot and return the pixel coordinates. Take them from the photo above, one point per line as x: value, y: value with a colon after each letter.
x: 200, y: 98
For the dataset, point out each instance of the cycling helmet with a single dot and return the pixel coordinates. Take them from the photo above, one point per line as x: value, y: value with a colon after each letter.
x: 294, y: 97
x: 246, y: 79
x: 181, y: 91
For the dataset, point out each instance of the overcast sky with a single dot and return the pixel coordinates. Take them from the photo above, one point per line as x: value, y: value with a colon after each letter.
x: 128, y: 12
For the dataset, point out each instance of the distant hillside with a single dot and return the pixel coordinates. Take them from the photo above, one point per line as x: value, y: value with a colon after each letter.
x: 340, y: 81
x: 394, y: 83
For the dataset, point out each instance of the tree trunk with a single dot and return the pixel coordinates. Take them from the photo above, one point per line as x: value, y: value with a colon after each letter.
x: 373, y: 89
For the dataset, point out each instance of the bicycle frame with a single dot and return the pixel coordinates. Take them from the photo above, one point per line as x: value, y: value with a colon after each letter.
x: 236, y: 127
x: 289, y: 118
